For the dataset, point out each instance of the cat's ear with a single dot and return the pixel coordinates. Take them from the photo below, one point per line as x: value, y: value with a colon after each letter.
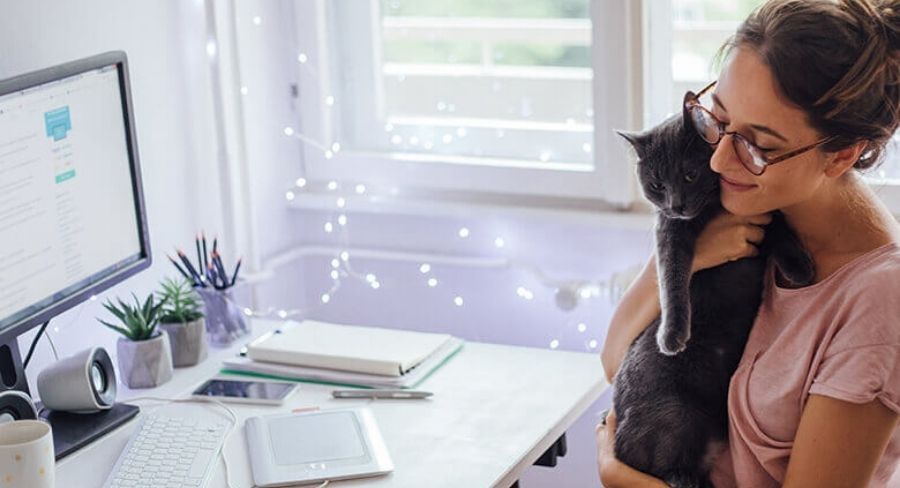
x: 638, y: 140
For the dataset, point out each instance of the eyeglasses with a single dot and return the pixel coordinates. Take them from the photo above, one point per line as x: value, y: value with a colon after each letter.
x: 712, y: 130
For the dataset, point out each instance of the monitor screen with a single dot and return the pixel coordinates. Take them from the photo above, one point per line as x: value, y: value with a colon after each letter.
x: 71, y: 215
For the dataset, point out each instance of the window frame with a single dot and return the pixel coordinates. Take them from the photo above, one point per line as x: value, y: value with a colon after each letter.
x: 616, y: 25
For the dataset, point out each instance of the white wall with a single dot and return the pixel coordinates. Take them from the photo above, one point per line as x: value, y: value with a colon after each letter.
x: 165, y: 43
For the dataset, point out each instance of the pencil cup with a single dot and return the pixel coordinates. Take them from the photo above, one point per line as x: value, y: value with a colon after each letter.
x: 224, y: 320
x: 26, y: 455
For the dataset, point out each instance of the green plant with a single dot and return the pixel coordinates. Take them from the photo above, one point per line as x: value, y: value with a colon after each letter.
x: 181, y: 303
x: 139, y: 320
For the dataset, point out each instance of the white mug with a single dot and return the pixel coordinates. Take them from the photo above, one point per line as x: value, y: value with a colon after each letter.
x: 26, y: 455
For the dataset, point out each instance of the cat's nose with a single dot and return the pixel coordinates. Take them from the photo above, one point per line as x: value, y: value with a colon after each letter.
x: 679, y: 209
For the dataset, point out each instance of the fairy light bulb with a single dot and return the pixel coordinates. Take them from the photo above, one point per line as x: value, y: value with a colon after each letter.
x: 370, y: 278
x: 345, y: 256
x: 360, y: 189
x: 592, y: 344
x: 329, y: 154
x: 332, y: 185
x: 289, y: 195
x: 342, y: 220
x: 336, y: 147
x: 432, y: 282
x: 554, y: 344
x: 326, y: 298
x: 340, y: 202
x: 458, y: 301
x: 302, y: 57
x: 335, y: 263
x: 301, y: 182
x: 288, y: 131
x: 211, y: 48
x: 257, y: 20
x: 329, y: 227
x: 244, y: 90
x: 499, y: 242
x: 282, y: 313
x: 424, y: 268
x: 582, y: 327
x: 464, y: 232
x: 329, y: 100
x: 334, y: 274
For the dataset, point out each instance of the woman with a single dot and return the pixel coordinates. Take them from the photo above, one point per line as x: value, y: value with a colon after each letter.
x: 815, y: 399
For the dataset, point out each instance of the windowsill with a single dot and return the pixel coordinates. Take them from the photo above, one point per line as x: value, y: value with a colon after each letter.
x: 317, y: 196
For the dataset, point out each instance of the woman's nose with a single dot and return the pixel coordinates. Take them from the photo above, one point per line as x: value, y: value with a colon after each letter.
x: 724, y: 156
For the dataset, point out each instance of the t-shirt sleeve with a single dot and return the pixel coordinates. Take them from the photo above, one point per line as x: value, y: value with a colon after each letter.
x: 861, y: 374
x: 862, y: 360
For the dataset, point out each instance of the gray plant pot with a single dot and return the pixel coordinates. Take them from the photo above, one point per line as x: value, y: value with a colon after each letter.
x: 145, y: 364
x: 188, y: 341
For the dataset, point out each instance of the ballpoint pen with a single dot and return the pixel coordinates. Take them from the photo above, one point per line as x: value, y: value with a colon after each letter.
x: 382, y: 393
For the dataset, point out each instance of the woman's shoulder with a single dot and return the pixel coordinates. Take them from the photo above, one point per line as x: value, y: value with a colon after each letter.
x: 870, y: 297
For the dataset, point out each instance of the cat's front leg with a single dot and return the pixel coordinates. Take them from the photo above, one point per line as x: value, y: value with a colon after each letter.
x: 675, y: 241
x: 790, y: 256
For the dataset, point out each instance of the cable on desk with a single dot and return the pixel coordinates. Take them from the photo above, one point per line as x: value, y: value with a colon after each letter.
x: 231, y: 413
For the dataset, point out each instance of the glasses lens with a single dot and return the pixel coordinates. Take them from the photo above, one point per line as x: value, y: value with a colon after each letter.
x: 748, y: 155
x: 704, y: 123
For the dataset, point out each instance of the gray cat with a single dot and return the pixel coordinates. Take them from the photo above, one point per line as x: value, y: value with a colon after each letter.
x: 670, y: 393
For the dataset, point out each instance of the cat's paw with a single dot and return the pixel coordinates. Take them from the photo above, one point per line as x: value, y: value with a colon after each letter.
x: 797, y: 267
x: 672, y: 337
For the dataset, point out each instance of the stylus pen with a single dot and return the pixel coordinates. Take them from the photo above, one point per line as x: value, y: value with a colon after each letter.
x: 381, y: 393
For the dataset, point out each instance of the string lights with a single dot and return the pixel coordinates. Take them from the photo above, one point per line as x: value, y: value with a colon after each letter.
x: 567, y: 293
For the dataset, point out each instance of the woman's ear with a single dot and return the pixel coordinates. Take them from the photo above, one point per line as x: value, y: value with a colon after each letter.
x: 843, y: 160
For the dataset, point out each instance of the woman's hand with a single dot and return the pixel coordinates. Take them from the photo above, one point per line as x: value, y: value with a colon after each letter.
x: 728, y: 237
x: 614, y: 473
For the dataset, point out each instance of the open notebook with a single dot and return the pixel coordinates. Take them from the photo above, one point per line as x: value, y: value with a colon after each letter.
x: 358, y: 349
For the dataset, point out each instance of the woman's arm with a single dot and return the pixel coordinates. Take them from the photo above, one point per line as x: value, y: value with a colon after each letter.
x: 838, y: 444
x: 637, y: 309
x: 725, y: 238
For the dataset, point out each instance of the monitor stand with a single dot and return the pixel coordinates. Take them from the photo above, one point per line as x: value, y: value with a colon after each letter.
x: 72, y: 431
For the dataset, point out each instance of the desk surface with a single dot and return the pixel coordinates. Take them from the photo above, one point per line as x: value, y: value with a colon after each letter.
x: 495, y: 410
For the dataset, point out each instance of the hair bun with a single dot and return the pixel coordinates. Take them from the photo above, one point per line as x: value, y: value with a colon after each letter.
x: 889, y: 14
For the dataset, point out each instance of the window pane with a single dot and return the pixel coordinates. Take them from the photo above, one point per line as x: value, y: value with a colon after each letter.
x: 493, y: 82
x: 700, y: 27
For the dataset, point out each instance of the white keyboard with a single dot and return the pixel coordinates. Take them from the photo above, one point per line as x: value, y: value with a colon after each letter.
x: 169, y: 451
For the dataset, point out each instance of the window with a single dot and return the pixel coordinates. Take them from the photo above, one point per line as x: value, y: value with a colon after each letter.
x: 485, y: 96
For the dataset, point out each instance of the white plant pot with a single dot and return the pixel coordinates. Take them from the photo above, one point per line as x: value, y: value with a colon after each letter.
x: 188, y: 341
x: 145, y: 364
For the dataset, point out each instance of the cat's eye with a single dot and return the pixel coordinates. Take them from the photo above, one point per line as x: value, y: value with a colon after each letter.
x: 690, y: 176
x: 656, y: 186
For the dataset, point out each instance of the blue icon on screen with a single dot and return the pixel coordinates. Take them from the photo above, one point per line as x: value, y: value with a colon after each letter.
x: 58, y: 123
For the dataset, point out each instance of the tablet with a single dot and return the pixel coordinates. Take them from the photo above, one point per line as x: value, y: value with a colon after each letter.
x: 289, y: 449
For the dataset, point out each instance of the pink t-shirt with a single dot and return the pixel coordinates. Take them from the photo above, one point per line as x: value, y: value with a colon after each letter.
x: 839, y: 338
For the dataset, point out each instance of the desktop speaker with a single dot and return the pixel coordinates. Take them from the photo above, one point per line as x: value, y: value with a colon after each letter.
x: 83, y: 383
x: 16, y: 405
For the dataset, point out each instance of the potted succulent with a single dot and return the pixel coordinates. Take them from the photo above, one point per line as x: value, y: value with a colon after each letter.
x: 144, y: 355
x: 182, y: 320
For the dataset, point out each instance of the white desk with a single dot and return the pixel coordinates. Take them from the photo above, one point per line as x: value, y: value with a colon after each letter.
x: 495, y: 410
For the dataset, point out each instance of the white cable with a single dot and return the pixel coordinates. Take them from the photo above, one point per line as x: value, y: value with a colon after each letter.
x: 52, y: 345
x: 234, y: 422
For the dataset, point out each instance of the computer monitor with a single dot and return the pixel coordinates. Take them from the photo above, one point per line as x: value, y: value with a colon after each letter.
x: 72, y: 219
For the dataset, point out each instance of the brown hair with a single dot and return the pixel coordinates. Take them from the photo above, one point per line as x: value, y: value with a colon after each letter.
x: 838, y: 60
